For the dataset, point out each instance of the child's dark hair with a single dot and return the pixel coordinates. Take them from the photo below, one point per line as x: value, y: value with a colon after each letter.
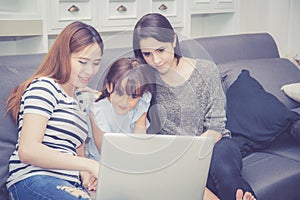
x: 137, y: 74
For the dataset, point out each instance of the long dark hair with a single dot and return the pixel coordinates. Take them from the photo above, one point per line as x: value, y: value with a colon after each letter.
x: 157, y: 26
x: 57, y: 63
x: 136, y: 73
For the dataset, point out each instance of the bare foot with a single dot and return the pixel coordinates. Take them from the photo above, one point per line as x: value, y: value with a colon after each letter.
x: 241, y: 196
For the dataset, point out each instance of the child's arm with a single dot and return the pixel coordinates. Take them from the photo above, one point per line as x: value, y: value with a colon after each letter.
x: 97, y: 133
x: 140, y: 124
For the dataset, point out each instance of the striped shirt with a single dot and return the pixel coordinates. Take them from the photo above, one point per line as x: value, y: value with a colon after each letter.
x: 66, y: 128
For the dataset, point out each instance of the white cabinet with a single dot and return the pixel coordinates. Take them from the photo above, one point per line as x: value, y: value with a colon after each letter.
x: 211, y: 6
x: 172, y: 9
x: 210, y: 17
x: 31, y: 26
x: 121, y: 15
x: 22, y: 29
x: 63, y: 12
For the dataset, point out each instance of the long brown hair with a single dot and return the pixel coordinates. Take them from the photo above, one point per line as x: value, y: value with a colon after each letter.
x: 57, y: 62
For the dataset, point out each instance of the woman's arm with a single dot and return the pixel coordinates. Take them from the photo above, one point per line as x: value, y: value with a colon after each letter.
x: 34, y: 152
x: 215, y: 117
x: 97, y: 133
x: 140, y: 124
x: 88, y: 180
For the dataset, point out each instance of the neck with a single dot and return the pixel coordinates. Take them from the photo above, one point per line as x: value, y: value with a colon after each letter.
x: 69, y: 89
x: 179, y: 74
x: 174, y: 75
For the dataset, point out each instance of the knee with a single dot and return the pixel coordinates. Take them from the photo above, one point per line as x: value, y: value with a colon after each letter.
x: 226, y: 147
x: 226, y: 159
x: 226, y: 143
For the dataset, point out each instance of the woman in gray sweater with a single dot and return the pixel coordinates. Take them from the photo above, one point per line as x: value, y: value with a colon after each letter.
x: 188, y: 99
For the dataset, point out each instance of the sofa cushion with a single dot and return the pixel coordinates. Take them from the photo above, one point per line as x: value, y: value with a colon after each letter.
x: 272, y: 74
x: 285, y: 146
x: 272, y: 176
x: 254, y: 115
x: 292, y: 90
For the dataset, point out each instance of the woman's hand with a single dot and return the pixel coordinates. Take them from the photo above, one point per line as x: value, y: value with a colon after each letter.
x: 88, y: 180
x: 93, y: 167
x: 213, y: 134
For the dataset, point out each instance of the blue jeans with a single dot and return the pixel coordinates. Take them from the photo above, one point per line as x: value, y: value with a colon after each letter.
x: 225, y: 173
x: 41, y: 187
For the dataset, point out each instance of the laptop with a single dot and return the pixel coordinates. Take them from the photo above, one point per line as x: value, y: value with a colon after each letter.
x: 148, y: 167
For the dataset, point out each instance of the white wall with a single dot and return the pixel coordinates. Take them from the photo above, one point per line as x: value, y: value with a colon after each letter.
x: 293, y: 44
x: 280, y: 18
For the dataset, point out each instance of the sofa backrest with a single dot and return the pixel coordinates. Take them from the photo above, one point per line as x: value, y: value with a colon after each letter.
x: 13, y: 70
x: 223, y: 49
x: 193, y: 49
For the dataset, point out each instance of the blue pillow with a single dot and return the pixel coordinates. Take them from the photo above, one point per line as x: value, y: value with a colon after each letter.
x: 254, y: 116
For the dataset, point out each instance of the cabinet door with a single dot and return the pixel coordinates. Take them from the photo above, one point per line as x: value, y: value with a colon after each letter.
x: 225, y: 5
x: 118, y: 15
x: 172, y: 9
x: 63, y: 12
x: 211, y: 6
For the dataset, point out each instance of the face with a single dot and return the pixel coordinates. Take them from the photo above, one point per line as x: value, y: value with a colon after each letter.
x: 121, y: 102
x: 159, y: 55
x: 84, y: 65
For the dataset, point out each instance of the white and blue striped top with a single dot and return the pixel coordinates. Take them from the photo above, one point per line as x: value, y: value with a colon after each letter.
x: 65, y: 131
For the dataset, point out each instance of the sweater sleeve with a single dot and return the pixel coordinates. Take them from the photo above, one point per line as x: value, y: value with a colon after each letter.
x: 215, y: 117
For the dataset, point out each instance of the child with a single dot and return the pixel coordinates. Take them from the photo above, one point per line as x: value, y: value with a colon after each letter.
x: 122, y: 105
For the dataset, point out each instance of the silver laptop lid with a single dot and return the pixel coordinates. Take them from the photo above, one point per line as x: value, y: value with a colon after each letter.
x: 142, y: 167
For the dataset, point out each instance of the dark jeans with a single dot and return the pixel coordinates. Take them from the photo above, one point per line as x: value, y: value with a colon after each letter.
x: 225, y: 176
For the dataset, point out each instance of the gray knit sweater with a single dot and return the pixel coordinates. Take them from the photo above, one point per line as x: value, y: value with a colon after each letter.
x: 194, y: 106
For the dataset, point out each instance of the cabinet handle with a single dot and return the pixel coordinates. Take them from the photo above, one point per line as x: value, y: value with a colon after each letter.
x: 162, y: 7
x: 73, y: 8
x: 122, y: 8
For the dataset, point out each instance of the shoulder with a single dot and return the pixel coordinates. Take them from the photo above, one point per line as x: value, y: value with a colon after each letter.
x: 44, y: 83
x: 202, y: 66
x: 206, y: 65
x: 146, y: 98
x: 207, y: 69
x: 48, y: 90
x: 102, y: 106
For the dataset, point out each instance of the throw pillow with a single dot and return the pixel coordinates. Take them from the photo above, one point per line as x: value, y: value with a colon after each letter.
x: 292, y: 90
x: 254, y: 115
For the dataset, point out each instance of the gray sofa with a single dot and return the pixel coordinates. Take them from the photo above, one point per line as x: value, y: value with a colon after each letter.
x: 273, y: 172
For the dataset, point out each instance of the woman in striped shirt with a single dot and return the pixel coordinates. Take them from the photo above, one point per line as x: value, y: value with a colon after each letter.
x: 49, y: 161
